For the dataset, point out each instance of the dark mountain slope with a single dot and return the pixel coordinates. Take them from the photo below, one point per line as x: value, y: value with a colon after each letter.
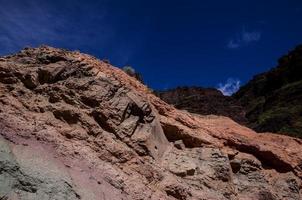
x: 270, y: 102
x: 204, y: 101
x: 273, y: 100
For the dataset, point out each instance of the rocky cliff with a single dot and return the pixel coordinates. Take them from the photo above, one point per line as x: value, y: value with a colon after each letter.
x: 74, y: 127
x: 204, y: 101
x: 273, y: 100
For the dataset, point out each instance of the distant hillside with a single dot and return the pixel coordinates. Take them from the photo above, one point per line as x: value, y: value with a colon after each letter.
x: 273, y: 100
x: 270, y: 102
x: 204, y: 101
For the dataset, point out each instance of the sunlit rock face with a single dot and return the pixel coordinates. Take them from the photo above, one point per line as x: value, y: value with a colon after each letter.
x: 74, y: 127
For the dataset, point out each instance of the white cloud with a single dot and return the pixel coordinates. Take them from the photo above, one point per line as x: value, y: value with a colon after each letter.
x: 244, y: 38
x: 251, y: 36
x: 231, y: 86
x: 232, y: 44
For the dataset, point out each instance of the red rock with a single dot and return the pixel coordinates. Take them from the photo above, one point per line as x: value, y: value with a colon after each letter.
x: 111, y: 138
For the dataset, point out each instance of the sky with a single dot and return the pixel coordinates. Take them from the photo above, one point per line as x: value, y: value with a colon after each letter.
x: 172, y: 43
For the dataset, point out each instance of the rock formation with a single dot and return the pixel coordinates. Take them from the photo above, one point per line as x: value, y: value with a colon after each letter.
x: 74, y: 127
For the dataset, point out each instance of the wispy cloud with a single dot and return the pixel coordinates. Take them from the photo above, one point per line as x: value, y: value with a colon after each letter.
x: 229, y: 87
x: 244, y: 38
x: 233, y: 44
x: 82, y: 26
x: 28, y: 23
x: 248, y: 37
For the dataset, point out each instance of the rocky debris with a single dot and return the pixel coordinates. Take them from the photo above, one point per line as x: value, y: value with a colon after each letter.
x: 252, y: 180
x: 175, y: 189
x: 179, y: 144
x: 74, y: 127
x: 272, y: 100
x: 204, y: 101
x: 181, y: 165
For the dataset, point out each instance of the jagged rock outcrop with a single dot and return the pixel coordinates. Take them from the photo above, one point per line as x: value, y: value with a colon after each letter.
x: 204, y: 101
x: 272, y: 100
x: 74, y: 127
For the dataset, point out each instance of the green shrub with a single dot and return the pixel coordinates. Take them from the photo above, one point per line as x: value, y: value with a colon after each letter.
x: 131, y: 72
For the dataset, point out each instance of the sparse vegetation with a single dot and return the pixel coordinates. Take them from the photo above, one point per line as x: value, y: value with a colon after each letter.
x: 106, y: 61
x: 131, y: 72
x: 273, y: 99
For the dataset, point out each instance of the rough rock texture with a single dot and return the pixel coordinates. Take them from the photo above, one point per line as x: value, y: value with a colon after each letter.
x: 73, y: 127
x: 204, y: 101
x: 273, y: 100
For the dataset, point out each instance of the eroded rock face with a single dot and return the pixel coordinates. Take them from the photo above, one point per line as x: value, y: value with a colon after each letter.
x: 73, y: 127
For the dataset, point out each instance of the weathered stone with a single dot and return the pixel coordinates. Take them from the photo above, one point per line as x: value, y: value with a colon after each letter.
x: 175, y: 189
x: 31, y: 175
x: 181, y: 164
x: 31, y: 80
x: 84, y: 129
x: 179, y: 144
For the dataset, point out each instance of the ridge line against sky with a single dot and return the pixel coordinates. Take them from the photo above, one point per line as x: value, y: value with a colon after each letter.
x: 171, y: 43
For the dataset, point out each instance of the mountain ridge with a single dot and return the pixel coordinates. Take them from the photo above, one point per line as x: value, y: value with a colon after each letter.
x: 74, y: 127
x: 204, y: 101
x: 272, y: 99
x: 269, y: 102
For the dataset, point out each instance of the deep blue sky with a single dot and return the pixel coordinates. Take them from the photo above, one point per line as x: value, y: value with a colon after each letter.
x: 170, y: 42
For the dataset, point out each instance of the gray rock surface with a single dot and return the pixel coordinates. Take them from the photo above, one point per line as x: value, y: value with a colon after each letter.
x: 26, y: 174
